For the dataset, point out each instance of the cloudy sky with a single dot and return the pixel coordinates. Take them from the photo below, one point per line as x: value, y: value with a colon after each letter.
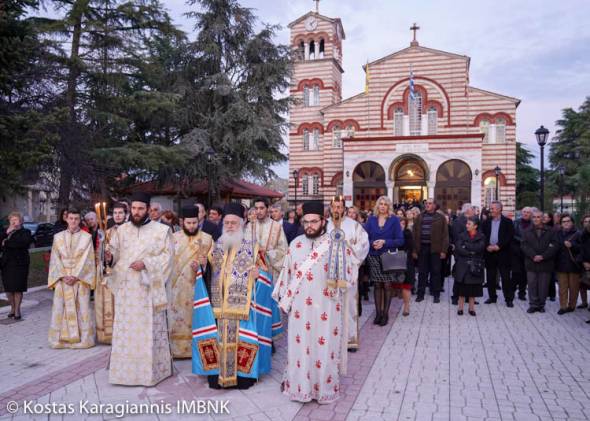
x: 538, y: 51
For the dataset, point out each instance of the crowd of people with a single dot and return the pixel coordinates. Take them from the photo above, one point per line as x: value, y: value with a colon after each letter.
x: 215, y: 285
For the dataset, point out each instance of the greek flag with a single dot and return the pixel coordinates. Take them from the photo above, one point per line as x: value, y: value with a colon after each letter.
x: 412, y: 94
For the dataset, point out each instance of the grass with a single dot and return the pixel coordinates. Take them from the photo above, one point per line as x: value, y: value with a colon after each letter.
x: 37, y: 270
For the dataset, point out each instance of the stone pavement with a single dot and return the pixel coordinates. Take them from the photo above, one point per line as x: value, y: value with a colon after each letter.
x: 503, y: 364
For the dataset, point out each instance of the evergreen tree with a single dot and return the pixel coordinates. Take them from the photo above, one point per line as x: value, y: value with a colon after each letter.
x: 527, y: 178
x: 235, y: 102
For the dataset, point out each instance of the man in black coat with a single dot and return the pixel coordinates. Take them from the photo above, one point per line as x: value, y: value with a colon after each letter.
x: 539, y: 248
x: 499, y: 232
x: 458, y: 227
x: 517, y: 262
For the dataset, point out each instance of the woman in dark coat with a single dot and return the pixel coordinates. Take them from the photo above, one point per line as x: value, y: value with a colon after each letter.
x: 411, y: 268
x: 470, y: 247
x: 14, y: 244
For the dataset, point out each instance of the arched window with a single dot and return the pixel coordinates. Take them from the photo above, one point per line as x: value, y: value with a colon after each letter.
x: 500, y: 130
x: 316, y: 95
x: 489, y: 191
x: 305, y: 139
x: 432, y: 120
x: 350, y: 131
x: 322, y: 46
x: 336, y: 137
x: 315, y: 185
x: 301, y: 51
x: 312, y: 50
x: 398, y: 122
x: 306, y: 97
x: 305, y: 185
x: 415, y: 112
x: 484, y: 127
x: 315, y: 140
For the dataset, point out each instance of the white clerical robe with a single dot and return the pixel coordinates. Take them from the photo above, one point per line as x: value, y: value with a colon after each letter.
x: 187, y: 249
x: 104, y: 302
x: 72, y: 254
x: 270, y: 235
x: 141, y: 352
x: 358, y: 240
x: 315, y: 313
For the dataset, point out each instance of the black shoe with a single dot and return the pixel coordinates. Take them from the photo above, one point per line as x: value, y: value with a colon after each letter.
x: 531, y: 310
x: 351, y: 349
x: 551, y: 298
x: 10, y: 316
x: 541, y: 310
x: 583, y: 305
x: 509, y: 304
x: 490, y: 301
x: 419, y: 298
x: 570, y: 309
x: 454, y: 301
x: 384, y: 320
x: 436, y: 300
x: 471, y: 312
x: 273, y: 349
x: 17, y: 317
x: 476, y: 303
x: 459, y: 312
x: 522, y: 297
x: 377, y: 319
x: 561, y: 311
x: 588, y: 321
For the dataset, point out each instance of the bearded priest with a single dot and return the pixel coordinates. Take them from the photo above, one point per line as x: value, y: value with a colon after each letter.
x: 312, y: 290
x: 141, y: 253
x: 232, y: 324
x: 191, y: 248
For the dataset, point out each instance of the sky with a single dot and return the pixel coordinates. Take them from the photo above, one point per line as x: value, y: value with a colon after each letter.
x: 537, y: 51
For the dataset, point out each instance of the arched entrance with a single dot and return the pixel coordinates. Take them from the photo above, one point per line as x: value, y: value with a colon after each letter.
x: 409, y: 174
x: 453, y: 184
x: 368, y: 181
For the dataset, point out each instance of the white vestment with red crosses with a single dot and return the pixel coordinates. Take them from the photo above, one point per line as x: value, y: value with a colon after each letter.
x: 315, y: 306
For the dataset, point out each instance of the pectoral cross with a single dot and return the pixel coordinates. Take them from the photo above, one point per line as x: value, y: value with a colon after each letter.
x: 317, y: 6
x: 414, y: 28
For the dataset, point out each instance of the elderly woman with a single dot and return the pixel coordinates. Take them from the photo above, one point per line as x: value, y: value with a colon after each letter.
x: 469, y: 252
x: 14, y: 244
x: 385, y: 234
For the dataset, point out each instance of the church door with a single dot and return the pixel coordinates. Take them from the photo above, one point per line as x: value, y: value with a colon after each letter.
x: 453, y: 185
x: 368, y: 184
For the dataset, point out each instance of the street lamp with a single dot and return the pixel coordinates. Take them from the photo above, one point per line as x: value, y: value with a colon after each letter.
x: 296, y: 177
x: 542, y: 133
x: 561, y: 174
x: 497, y: 171
x: 210, y: 152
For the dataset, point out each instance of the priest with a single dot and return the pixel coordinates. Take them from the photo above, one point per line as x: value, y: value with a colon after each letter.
x: 272, y: 247
x: 191, y: 248
x: 72, y: 274
x: 311, y: 289
x: 231, y: 343
x: 357, y: 239
x: 141, y: 253
x: 104, y: 302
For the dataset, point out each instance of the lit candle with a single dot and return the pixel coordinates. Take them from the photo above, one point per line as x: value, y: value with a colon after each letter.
x: 97, y: 211
x: 104, y: 215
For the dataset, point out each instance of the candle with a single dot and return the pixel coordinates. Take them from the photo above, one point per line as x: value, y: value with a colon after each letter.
x: 97, y: 211
x: 104, y: 216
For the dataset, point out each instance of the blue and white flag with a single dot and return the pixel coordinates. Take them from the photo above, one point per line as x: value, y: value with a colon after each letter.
x: 263, y: 309
x: 205, y: 359
x: 412, y: 92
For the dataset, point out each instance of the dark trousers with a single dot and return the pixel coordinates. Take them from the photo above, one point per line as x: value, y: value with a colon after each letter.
x: 429, y: 266
x: 493, y: 267
x: 519, y: 278
x: 552, y: 290
x: 538, y: 283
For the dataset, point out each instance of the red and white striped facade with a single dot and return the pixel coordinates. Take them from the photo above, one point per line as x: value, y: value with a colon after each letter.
x: 377, y: 125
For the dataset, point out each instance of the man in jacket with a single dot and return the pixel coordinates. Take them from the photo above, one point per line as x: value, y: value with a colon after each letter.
x: 539, y: 248
x: 498, y: 231
x: 566, y: 266
x: 517, y: 261
x: 457, y: 228
x: 431, y: 242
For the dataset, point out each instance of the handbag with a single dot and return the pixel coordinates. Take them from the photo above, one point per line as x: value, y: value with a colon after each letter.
x: 393, y: 261
x: 476, y: 266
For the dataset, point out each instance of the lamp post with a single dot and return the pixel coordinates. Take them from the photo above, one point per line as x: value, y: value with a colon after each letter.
x: 497, y: 171
x: 296, y: 177
x: 210, y: 153
x: 542, y: 133
x: 561, y: 174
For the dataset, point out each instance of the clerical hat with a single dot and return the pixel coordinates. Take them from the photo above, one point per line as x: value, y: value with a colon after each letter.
x: 314, y: 207
x: 234, y: 209
x: 140, y: 196
x: 190, y: 212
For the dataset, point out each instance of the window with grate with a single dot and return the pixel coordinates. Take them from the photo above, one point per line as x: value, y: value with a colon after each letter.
x: 432, y: 120
x: 415, y: 112
x: 398, y: 122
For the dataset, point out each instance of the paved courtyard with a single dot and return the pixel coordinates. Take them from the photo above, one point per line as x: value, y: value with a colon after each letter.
x: 503, y: 364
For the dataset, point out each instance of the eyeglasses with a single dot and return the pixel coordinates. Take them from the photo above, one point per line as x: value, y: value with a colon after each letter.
x: 313, y: 222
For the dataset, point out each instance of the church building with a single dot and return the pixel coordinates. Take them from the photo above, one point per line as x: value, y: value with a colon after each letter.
x: 418, y: 129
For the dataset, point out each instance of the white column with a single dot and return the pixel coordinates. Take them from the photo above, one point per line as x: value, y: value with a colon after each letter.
x: 406, y: 126
x: 389, y: 188
x: 476, y: 191
x: 306, y: 50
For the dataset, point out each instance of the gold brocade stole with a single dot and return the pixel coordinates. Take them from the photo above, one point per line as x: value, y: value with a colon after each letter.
x: 196, y: 247
x: 232, y: 281
x: 228, y: 343
x: 69, y: 329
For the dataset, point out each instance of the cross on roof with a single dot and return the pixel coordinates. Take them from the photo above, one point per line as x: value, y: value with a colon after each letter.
x: 414, y: 28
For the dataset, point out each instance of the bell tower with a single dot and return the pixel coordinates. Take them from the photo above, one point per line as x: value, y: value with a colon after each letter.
x: 316, y: 83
